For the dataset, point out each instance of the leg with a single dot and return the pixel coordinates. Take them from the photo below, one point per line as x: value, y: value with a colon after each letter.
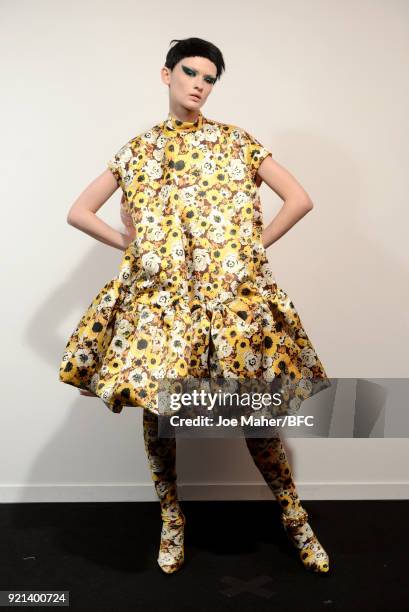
x: 270, y: 458
x: 161, y: 453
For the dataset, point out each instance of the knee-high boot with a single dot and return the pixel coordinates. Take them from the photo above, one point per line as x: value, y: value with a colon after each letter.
x: 271, y: 459
x: 161, y: 453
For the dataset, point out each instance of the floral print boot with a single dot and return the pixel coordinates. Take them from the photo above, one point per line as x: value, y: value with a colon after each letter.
x: 171, y: 550
x: 312, y: 554
x: 161, y: 453
x: 270, y: 458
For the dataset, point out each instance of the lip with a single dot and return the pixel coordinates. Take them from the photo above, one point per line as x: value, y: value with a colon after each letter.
x: 195, y: 96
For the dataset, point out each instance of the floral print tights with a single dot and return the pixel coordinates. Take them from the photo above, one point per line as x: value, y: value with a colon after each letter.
x: 269, y: 457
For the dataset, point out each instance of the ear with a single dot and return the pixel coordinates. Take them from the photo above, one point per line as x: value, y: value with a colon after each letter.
x: 165, y: 75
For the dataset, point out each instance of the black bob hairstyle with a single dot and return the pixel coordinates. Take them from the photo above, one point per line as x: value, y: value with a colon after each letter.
x: 195, y: 47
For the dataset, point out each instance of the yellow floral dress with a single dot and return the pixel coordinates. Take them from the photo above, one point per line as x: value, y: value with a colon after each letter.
x: 194, y: 295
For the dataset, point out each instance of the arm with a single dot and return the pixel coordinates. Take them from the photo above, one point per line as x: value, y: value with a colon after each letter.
x: 296, y: 200
x: 127, y: 220
x: 82, y: 213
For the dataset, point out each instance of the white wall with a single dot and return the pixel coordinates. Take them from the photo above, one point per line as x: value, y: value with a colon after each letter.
x: 324, y: 86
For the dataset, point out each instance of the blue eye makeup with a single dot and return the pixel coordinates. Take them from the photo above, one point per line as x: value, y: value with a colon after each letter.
x: 191, y: 72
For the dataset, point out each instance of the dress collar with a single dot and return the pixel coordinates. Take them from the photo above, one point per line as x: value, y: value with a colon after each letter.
x: 174, y: 126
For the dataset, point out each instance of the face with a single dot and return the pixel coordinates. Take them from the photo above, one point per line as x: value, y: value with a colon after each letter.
x: 192, y: 75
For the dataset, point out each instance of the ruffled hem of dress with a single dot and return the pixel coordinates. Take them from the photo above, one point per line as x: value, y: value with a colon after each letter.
x: 112, y: 333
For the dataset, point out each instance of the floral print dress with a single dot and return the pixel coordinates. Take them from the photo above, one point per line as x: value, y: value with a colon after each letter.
x: 194, y: 295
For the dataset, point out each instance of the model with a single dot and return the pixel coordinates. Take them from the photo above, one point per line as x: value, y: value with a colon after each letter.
x: 194, y: 295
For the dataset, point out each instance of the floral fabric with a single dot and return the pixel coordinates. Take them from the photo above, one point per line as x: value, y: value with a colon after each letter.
x: 194, y: 294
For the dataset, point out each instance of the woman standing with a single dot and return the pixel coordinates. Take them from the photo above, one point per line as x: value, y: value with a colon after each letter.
x: 194, y: 295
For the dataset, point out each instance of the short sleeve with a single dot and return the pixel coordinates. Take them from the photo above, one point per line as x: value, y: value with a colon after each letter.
x: 253, y: 153
x: 119, y: 165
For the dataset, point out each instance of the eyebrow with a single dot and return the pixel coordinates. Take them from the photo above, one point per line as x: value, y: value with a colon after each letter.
x: 194, y: 70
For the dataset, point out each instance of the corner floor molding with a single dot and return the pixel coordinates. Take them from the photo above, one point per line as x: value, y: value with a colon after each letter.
x: 208, y: 491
